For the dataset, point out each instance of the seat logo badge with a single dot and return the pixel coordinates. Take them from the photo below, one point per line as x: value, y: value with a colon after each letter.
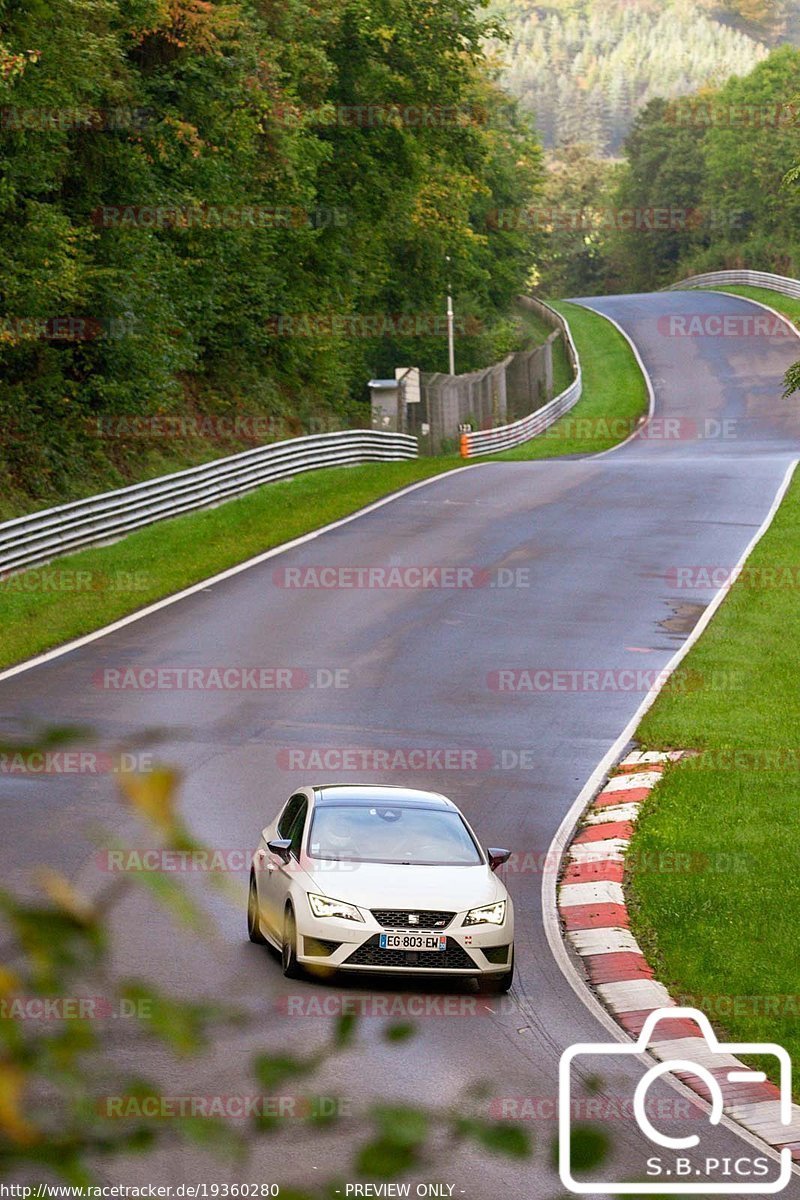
x: 413, y: 918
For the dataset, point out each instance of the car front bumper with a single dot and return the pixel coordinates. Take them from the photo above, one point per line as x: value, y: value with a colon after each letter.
x: 327, y: 942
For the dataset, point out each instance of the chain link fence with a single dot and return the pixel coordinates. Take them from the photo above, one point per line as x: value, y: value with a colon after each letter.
x: 495, y: 396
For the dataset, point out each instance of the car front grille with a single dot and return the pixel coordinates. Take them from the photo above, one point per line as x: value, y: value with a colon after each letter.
x: 453, y: 958
x: 392, y: 918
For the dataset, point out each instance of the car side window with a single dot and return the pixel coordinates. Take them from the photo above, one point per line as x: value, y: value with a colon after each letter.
x: 288, y: 815
x: 295, y: 834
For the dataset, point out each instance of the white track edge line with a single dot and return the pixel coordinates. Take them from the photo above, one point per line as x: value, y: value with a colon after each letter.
x: 560, y: 842
x: 748, y: 300
x: 165, y: 601
x: 648, y: 382
x: 228, y: 573
x: 651, y: 412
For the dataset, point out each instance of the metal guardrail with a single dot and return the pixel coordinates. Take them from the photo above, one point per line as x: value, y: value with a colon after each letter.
x: 488, y: 441
x: 776, y: 283
x: 39, y: 537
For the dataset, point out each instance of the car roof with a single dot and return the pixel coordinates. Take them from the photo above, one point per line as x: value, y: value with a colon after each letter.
x: 366, y: 793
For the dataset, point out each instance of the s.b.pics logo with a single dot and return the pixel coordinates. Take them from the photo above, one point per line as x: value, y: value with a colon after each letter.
x: 678, y: 1156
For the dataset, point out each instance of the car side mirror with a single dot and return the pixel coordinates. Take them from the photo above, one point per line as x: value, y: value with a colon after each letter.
x: 497, y: 857
x: 281, y: 848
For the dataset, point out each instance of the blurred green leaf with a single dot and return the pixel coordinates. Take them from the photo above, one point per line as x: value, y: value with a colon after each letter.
x: 401, y: 1031
x: 344, y: 1029
x: 56, y: 943
x: 588, y: 1148
x: 180, y: 1025
x: 401, y: 1124
x: 325, y: 1110
x: 384, y: 1158
x: 46, y: 738
x: 503, y: 1137
x: 272, y: 1069
x: 214, y: 1134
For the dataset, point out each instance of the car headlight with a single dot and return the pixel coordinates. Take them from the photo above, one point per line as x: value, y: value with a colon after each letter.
x: 323, y: 906
x: 490, y: 914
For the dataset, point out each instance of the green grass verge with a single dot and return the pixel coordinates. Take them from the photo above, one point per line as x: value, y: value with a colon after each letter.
x: 82, y: 592
x: 614, y: 393
x: 787, y: 306
x: 715, y: 885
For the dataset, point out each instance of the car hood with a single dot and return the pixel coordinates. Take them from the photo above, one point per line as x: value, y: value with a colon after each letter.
x: 380, y: 885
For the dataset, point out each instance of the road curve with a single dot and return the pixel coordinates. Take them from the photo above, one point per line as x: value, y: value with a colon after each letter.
x: 594, y: 546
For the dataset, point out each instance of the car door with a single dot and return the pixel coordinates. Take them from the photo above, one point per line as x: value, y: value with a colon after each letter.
x: 275, y: 881
x: 286, y: 872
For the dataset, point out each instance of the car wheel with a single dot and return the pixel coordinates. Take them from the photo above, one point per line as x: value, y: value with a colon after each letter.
x: 496, y: 985
x: 291, y: 967
x: 253, y: 926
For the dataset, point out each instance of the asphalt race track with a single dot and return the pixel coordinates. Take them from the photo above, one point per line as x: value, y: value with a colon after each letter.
x: 593, y: 547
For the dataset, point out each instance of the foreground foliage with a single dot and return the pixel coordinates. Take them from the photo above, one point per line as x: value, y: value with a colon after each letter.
x: 70, y: 1104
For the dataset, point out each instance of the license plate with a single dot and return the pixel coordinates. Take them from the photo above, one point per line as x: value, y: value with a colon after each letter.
x: 413, y: 941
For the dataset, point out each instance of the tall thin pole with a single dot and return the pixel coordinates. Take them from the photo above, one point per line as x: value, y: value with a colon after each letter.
x: 450, y: 322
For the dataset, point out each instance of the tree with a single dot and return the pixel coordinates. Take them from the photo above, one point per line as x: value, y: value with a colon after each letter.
x: 182, y: 175
x: 658, y: 197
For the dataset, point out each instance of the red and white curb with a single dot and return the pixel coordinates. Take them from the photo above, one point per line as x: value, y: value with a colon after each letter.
x: 594, y: 915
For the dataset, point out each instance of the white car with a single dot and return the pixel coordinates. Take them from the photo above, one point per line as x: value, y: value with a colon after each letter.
x: 383, y: 879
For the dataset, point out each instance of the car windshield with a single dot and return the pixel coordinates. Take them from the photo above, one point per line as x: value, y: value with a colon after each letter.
x: 392, y: 834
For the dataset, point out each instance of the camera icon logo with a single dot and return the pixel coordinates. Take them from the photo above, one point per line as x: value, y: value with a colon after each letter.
x: 673, y: 1172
